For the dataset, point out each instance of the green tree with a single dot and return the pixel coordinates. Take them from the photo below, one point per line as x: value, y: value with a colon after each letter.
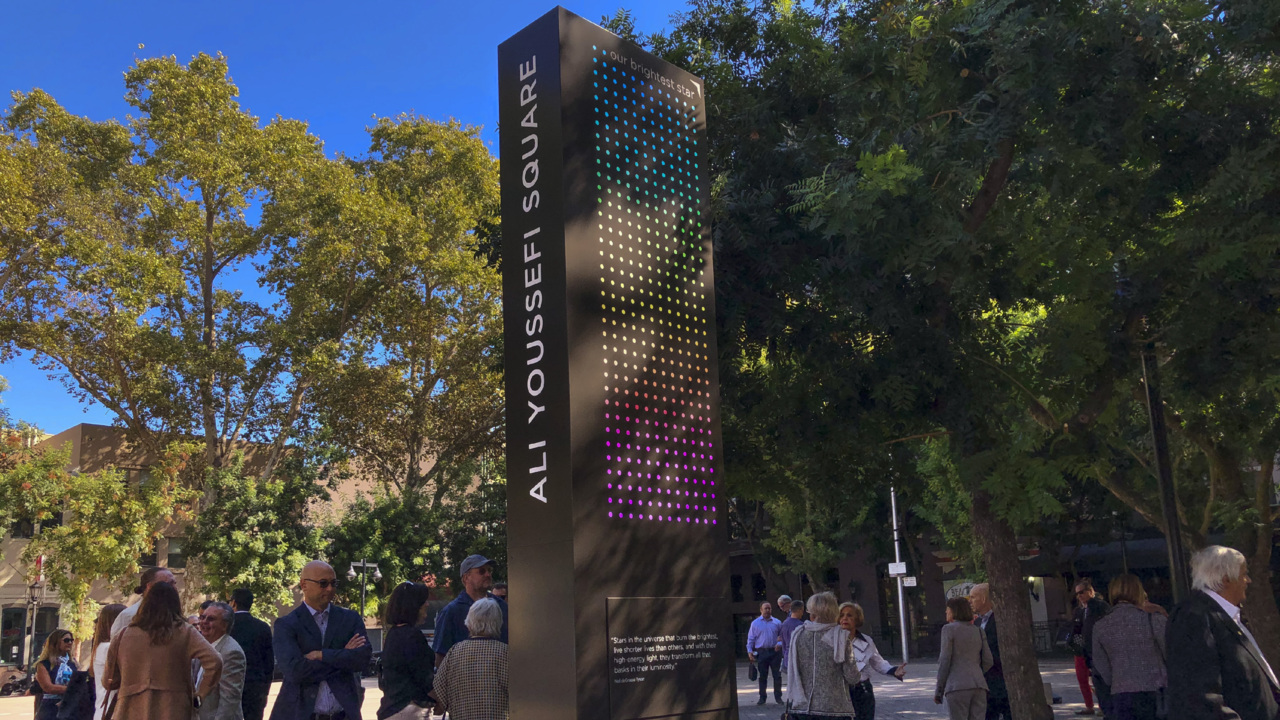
x: 415, y: 538
x: 108, y: 522
x: 968, y: 219
x: 257, y: 532
x: 138, y: 232
x: 420, y: 388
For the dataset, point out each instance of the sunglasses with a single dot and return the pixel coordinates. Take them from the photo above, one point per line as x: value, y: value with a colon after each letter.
x: 68, y: 640
x: 324, y: 584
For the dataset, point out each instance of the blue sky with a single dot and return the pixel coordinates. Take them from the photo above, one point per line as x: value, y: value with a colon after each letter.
x: 332, y: 64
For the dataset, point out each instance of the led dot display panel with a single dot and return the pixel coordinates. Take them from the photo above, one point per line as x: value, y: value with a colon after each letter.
x: 616, y: 520
x: 655, y: 298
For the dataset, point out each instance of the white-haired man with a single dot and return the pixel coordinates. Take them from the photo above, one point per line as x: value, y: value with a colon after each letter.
x: 1216, y: 669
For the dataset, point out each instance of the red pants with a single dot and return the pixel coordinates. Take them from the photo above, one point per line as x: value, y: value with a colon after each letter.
x: 1082, y: 677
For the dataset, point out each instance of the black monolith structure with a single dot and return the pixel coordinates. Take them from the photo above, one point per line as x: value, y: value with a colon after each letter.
x: 616, y: 518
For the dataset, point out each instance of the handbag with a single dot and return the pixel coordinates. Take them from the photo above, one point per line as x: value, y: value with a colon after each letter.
x: 1162, y: 694
x: 753, y: 674
x: 77, y: 701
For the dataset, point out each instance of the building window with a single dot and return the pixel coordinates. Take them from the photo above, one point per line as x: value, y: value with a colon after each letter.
x: 176, y: 557
x: 758, y: 587
x: 25, y: 529
x: 735, y: 585
x: 46, y: 623
x: 151, y: 559
x: 13, y: 627
x: 22, y: 530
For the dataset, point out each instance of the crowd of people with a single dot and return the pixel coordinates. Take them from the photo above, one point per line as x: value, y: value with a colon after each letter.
x: 152, y: 663
x: 1139, y: 662
x: 149, y: 662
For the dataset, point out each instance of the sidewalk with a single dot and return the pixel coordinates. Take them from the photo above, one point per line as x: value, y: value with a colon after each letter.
x: 913, y: 697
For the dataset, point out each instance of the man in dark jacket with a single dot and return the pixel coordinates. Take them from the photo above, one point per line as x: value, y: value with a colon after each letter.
x: 1216, y: 669
x: 254, y: 637
x: 322, y: 648
x: 1094, y: 609
x: 984, y: 616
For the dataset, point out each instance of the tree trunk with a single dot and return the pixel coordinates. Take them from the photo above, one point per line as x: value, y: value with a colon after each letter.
x: 1260, y: 603
x: 1013, y: 611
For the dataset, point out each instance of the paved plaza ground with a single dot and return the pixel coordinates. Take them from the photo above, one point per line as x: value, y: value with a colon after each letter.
x: 912, y: 698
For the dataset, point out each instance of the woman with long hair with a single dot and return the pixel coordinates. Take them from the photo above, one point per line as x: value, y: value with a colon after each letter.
x: 53, y: 672
x: 101, y: 643
x: 149, y: 662
x: 868, y: 658
x: 407, y: 658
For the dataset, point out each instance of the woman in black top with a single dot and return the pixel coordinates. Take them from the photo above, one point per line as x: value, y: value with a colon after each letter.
x: 53, y: 672
x: 407, y: 659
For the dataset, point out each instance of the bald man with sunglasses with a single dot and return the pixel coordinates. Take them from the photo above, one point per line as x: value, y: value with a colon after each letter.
x: 322, y: 649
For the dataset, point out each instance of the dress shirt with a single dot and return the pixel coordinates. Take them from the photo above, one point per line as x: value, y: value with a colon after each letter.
x: 764, y: 635
x: 125, y: 617
x: 982, y: 619
x: 1233, y: 612
x: 326, y: 703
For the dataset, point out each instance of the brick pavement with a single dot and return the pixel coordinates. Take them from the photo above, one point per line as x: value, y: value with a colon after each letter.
x: 913, y: 698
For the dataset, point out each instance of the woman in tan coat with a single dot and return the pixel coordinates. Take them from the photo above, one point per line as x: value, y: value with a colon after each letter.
x: 150, y: 662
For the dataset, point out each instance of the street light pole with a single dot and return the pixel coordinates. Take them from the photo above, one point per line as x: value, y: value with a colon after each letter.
x: 897, y: 558
x: 364, y: 566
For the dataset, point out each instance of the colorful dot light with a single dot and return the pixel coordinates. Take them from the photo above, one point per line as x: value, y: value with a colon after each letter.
x: 655, y: 300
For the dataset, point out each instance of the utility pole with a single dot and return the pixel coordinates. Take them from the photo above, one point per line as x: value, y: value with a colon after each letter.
x: 1164, y: 474
x: 897, y: 559
x: 364, y: 566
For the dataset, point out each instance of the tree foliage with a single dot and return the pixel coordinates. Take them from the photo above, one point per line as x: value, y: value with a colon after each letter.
x: 131, y: 297
x: 416, y: 538
x: 258, y: 532
x: 108, y: 522
x: 419, y: 390
x: 967, y: 220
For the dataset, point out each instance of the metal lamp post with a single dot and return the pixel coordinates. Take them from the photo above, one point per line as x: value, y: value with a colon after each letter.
x: 364, y: 566
x: 897, y: 558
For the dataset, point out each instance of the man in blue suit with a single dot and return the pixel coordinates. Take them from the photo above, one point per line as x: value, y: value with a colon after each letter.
x: 322, y: 648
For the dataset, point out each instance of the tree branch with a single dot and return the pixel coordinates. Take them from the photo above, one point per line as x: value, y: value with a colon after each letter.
x: 992, y: 184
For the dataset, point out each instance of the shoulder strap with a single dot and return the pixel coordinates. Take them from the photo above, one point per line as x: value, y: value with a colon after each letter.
x: 1151, y: 625
x: 808, y: 692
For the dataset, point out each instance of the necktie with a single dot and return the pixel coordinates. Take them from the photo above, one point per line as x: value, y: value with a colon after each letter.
x: 325, y: 701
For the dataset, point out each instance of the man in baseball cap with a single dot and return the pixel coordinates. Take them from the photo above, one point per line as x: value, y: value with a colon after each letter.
x: 477, y: 580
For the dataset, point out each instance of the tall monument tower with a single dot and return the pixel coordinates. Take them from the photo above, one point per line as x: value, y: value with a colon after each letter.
x: 616, y: 516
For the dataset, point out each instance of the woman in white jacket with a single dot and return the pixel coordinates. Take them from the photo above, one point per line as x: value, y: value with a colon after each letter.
x: 101, y: 644
x: 868, y: 658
